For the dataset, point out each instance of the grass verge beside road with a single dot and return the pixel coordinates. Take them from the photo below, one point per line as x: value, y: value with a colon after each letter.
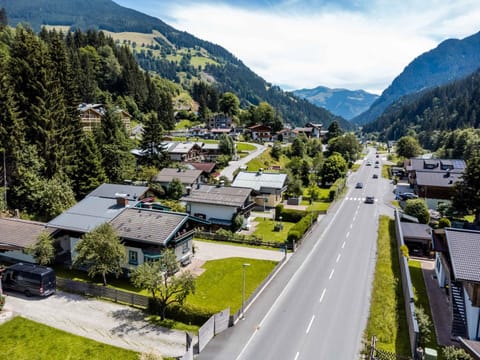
x: 24, y: 339
x: 220, y: 286
x: 387, y: 319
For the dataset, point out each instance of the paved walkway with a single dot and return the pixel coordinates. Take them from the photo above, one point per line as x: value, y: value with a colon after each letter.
x: 438, y: 304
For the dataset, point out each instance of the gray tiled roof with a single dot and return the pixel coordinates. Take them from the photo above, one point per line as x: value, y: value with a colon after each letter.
x: 464, y: 248
x: 187, y: 176
x: 259, y: 181
x: 109, y: 191
x: 438, y: 179
x: 148, y: 225
x: 418, y: 164
x: 417, y: 231
x: 87, y: 214
x: 229, y: 196
x: 20, y: 233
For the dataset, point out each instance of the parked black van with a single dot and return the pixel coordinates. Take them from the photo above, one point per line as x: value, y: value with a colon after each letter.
x: 30, y: 279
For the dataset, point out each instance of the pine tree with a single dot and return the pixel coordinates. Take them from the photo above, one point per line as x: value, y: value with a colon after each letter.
x: 90, y: 173
x: 153, y: 151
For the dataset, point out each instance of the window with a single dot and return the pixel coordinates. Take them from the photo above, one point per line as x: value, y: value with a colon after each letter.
x: 185, y: 247
x: 132, y: 257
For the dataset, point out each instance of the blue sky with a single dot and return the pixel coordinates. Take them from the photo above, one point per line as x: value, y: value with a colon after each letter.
x: 353, y: 44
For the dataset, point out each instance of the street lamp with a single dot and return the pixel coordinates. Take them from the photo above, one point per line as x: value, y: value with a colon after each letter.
x: 4, y: 178
x: 245, y: 265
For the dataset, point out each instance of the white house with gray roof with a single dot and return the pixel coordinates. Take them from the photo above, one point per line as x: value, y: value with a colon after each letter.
x: 457, y: 266
x: 219, y: 204
x: 269, y: 186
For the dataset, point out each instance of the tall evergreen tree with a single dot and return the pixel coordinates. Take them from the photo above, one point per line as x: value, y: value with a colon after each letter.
x: 90, y: 173
x: 154, y: 152
x: 116, y: 158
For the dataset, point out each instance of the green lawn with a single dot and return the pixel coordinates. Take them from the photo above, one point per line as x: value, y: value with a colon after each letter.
x: 265, y: 161
x: 245, y: 147
x: 421, y: 297
x: 316, y: 205
x: 24, y: 339
x: 387, y: 312
x: 220, y: 286
x: 265, y: 230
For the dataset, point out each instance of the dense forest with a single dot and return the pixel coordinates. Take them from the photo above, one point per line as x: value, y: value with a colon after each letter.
x: 50, y: 160
x: 172, y: 53
x: 435, y: 116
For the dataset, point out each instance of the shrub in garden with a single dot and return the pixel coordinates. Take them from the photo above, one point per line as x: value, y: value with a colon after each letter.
x: 288, y: 215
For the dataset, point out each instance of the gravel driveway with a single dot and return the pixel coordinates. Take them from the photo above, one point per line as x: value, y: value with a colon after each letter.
x: 116, y: 324
x: 102, y: 321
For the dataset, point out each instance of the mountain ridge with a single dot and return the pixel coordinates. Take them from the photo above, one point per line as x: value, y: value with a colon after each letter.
x: 452, y: 59
x: 342, y: 102
x: 229, y: 73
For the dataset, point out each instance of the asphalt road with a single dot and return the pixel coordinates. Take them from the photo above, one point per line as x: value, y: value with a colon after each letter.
x: 317, y: 307
x: 234, y: 165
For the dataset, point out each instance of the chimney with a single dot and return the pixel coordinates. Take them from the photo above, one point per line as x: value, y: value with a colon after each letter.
x: 122, y: 199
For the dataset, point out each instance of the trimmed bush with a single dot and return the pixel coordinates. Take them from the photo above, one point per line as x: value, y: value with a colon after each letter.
x: 186, y: 314
x: 297, y: 231
x: 337, y: 188
x: 288, y: 215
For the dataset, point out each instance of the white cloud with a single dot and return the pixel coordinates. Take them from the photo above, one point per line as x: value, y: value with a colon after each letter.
x: 330, y: 46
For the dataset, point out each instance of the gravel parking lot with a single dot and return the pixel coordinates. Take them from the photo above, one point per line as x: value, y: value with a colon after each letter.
x: 116, y: 324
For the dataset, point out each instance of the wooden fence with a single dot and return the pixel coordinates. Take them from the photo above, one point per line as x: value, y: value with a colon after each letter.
x: 239, y: 239
x: 89, y: 289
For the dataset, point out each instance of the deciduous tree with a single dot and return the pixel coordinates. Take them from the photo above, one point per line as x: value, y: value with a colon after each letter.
x: 417, y: 208
x: 408, y: 147
x: 160, y: 280
x: 102, y: 251
x: 333, y: 168
x: 43, y: 251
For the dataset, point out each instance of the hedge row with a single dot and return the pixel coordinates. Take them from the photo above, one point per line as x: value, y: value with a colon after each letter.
x: 337, y: 188
x: 288, y: 215
x: 186, y: 314
x: 297, y: 231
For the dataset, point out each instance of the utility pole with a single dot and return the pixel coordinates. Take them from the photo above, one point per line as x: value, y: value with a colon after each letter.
x: 243, y: 290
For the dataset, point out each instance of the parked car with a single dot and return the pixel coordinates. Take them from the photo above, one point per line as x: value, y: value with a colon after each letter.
x: 369, y: 199
x: 407, y: 196
x: 30, y: 279
x: 375, y: 176
x: 359, y: 185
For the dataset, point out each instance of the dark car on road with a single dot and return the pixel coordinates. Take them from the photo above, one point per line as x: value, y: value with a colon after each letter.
x: 375, y: 176
x: 369, y: 200
x: 359, y: 185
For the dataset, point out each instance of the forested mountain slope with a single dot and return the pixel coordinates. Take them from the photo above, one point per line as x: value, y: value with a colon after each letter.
x: 433, y: 113
x: 452, y: 59
x: 173, y: 54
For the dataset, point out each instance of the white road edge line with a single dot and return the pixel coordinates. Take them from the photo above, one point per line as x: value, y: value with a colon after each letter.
x: 297, y: 355
x: 291, y: 281
x: 338, y: 257
x: 348, y: 234
x: 310, y: 324
x: 323, y: 294
x: 343, y: 245
x: 331, y: 274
